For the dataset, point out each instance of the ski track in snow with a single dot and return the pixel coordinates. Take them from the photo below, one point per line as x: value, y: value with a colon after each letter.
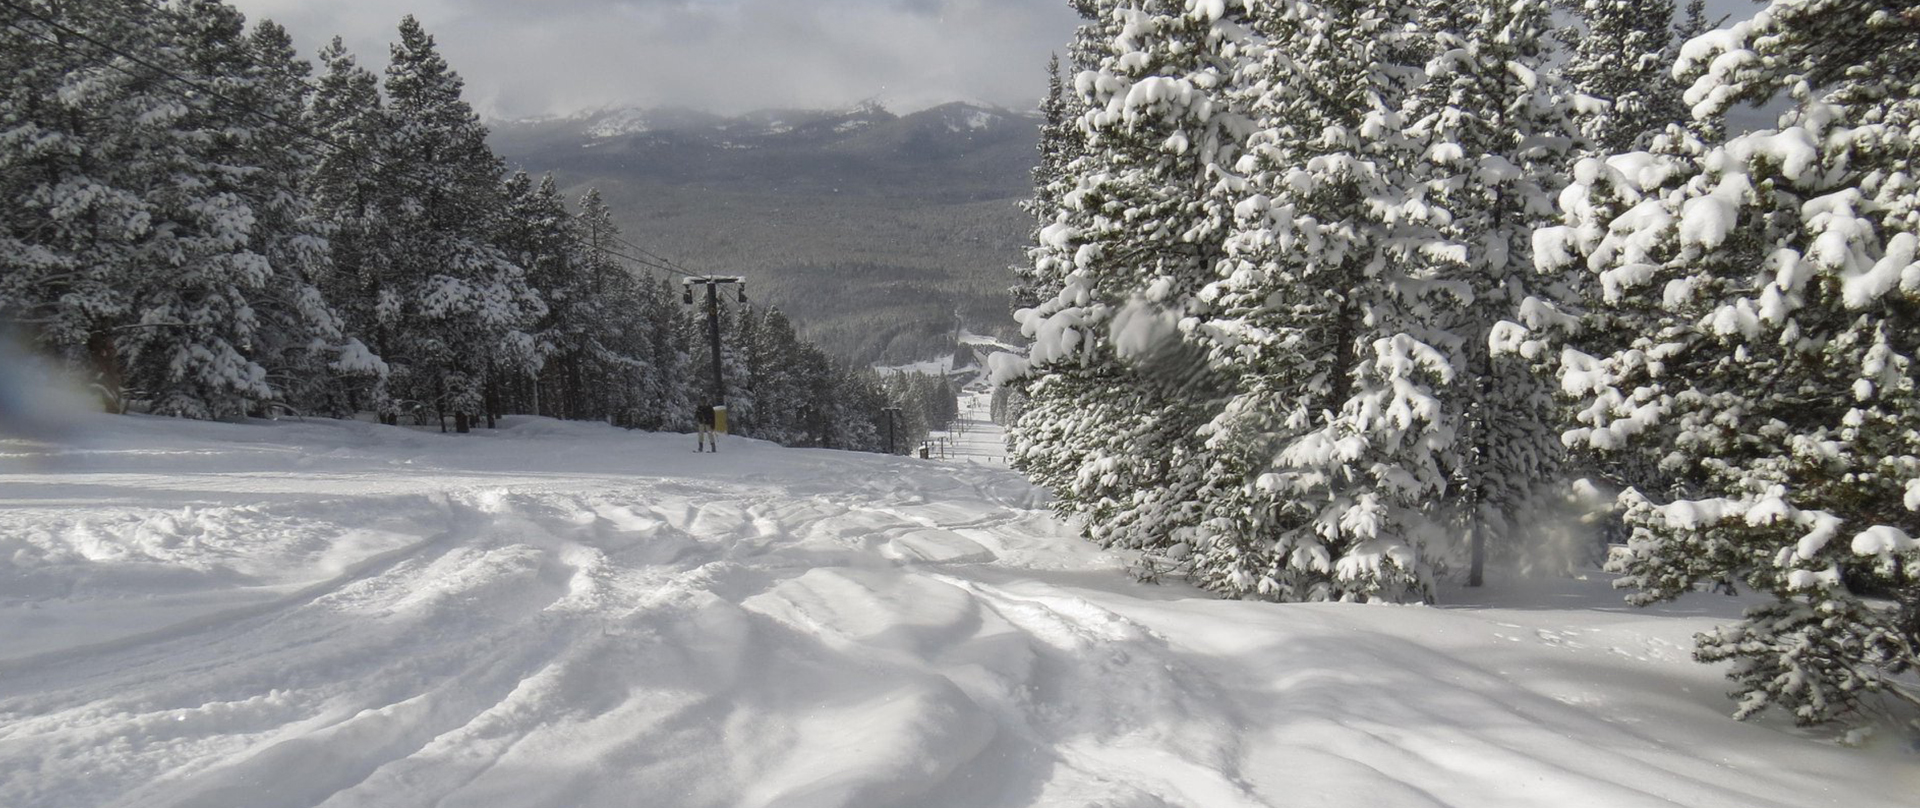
x: 335, y: 614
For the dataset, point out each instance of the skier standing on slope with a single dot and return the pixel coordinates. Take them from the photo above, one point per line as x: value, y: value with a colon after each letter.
x: 707, y: 438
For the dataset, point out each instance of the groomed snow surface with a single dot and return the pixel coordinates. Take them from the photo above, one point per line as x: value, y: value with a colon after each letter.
x: 553, y: 614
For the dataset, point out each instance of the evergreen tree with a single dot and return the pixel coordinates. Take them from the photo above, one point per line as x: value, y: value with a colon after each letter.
x: 192, y: 355
x: 1772, y: 282
x: 302, y: 342
x: 1006, y: 404
x: 346, y: 191
x: 815, y: 377
x: 158, y: 233
x: 625, y: 325
x: 1497, y: 127
x: 91, y: 136
x: 773, y: 363
x: 1625, y: 58
x: 1118, y: 441
x: 668, y: 331
x: 1332, y: 451
x: 738, y: 330
x: 461, y: 307
x: 856, y: 422
x: 589, y: 368
x: 1060, y: 142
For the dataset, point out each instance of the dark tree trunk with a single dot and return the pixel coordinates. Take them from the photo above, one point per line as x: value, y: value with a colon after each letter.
x: 492, y: 401
x: 105, y: 355
x: 576, y: 407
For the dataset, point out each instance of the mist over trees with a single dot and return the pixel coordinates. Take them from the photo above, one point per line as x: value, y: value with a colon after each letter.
x: 1336, y: 300
x: 202, y: 224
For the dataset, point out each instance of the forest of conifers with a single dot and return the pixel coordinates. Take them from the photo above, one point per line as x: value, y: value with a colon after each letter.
x: 1337, y: 300
x: 202, y: 224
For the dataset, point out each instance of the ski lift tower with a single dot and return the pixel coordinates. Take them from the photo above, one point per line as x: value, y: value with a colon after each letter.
x: 713, y: 284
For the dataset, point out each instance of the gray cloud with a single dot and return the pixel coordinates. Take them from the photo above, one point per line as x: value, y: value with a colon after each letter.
x: 526, y: 57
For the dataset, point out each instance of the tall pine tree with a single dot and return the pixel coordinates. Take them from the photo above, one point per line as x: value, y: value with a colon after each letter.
x: 1497, y: 127
x: 90, y: 135
x: 1774, y: 282
x: 345, y: 190
x: 460, y: 310
x: 1332, y: 452
x: 1138, y: 232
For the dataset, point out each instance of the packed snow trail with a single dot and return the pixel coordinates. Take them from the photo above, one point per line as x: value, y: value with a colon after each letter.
x: 339, y: 614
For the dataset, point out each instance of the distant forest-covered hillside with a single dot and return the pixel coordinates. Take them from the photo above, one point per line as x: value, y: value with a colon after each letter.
x: 878, y: 234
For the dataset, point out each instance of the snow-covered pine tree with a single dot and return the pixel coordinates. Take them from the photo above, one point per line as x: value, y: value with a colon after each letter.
x: 1006, y: 404
x: 772, y: 356
x: 302, y: 340
x: 855, y: 422
x: 461, y: 308
x: 138, y: 241
x: 346, y: 191
x: 637, y: 383
x: 631, y: 324
x: 586, y: 369
x: 193, y: 352
x: 1773, y: 369
x: 912, y: 393
x: 1117, y: 442
x: 948, y: 404
x: 738, y: 329
x: 1625, y: 57
x: 1693, y: 24
x: 1092, y: 40
x: 539, y: 237
x: 693, y: 336
x: 815, y: 374
x: 1060, y: 142
x: 87, y: 136
x: 1498, y: 126
x: 1332, y: 451
x: 670, y: 354
x: 626, y: 346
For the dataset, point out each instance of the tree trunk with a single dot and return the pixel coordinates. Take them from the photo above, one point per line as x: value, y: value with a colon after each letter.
x: 1478, y: 543
x: 105, y: 355
x: 492, y: 400
x: 577, y: 407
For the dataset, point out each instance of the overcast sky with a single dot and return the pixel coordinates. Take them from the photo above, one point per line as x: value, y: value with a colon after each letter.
x: 531, y: 57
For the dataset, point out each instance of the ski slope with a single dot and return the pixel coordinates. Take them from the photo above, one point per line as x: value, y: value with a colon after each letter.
x: 973, y: 437
x: 552, y: 614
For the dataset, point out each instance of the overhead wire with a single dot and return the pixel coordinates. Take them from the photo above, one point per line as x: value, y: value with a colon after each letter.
x: 651, y: 254
x: 651, y: 264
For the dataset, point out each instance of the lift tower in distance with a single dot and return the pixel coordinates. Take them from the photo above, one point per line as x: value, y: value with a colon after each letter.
x: 713, y: 284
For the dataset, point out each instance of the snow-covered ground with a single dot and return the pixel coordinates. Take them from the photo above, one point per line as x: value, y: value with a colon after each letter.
x: 555, y: 614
